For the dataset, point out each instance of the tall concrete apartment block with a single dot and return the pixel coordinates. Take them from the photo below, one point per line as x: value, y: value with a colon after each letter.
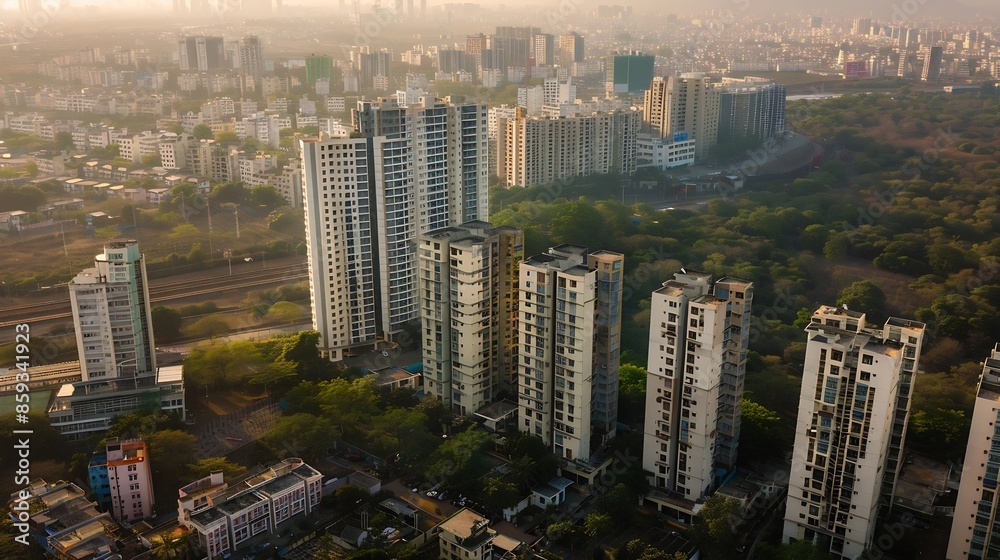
x: 201, y: 54
x: 570, y: 337
x: 367, y: 199
x: 112, y: 316
x: 114, y: 338
x: 853, y: 410
x: 537, y: 151
x: 252, y: 61
x: 686, y: 103
x: 974, y: 535
x: 570, y: 50
x: 468, y: 307
x: 698, y: 339
x: 751, y: 110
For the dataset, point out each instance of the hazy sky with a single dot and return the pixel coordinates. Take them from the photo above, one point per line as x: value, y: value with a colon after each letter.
x: 883, y: 9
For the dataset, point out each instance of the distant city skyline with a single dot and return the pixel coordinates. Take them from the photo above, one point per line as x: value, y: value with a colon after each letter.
x: 884, y: 9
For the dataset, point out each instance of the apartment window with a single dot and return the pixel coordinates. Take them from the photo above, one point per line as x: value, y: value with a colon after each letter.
x: 830, y: 394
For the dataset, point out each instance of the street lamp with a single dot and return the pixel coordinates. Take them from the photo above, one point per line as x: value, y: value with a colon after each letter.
x: 228, y: 254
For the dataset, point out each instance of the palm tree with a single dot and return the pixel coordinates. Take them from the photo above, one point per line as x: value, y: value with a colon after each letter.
x: 171, y: 546
x: 523, y: 472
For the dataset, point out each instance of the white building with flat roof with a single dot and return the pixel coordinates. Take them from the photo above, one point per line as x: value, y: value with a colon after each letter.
x: 537, y: 151
x: 468, y: 308
x: 466, y: 535
x: 367, y: 199
x: 114, y: 337
x: 853, y: 410
x: 130, y: 478
x: 699, y: 332
x: 256, y: 505
x: 569, y: 330
x: 974, y: 536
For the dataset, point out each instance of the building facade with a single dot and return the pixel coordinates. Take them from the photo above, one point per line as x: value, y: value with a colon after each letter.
x: 569, y: 330
x: 413, y: 170
x: 466, y: 535
x: 699, y: 332
x: 468, y: 307
x: 257, y: 505
x: 974, y: 533
x: 570, y: 50
x: 687, y: 104
x: 111, y: 313
x: 628, y: 73
x: 201, y: 54
x: 853, y: 409
x: 130, y: 479
x: 114, y: 337
x: 663, y: 154
x: 538, y: 151
x: 751, y: 111
x: 252, y: 62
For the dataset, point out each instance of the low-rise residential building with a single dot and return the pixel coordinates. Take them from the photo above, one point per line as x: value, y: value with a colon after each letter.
x: 392, y: 377
x: 13, y: 221
x: 257, y: 505
x: 664, y: 153
x: 550, y: 494
x: 50, y: 164
x: 158, y: 195
x: 199, y: 495
x: 173, y: 150
x: 466, y: 535
x: 133, y: 148
x: 256, y: 164
x: 68, y: 526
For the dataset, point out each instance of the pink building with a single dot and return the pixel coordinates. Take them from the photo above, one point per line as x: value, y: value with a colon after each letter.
x: 130, y: 479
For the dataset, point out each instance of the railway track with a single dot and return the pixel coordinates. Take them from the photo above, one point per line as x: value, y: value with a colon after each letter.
x: 162, y: 292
